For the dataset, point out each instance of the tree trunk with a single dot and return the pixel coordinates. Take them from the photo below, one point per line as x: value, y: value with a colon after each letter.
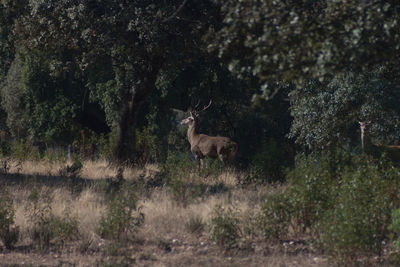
x: 125, y: 143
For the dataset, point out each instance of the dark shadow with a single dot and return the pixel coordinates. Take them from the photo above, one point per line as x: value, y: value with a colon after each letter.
x: 15, y: 179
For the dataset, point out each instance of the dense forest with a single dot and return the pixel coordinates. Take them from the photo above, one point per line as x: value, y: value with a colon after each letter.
x: 289, y: 81
x: 278, y: 73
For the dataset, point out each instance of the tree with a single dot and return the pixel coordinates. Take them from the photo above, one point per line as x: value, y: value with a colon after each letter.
x: 327, y: 113
x: 298, y: 40
x: 120, y: 47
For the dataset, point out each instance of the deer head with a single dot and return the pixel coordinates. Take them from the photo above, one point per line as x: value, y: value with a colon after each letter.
x: 194, y: 114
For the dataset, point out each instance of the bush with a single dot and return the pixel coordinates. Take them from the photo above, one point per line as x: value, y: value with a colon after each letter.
x: 224, y: 227
x: 148, y: 146
x: 47, y: 227
x: 123, y: 217
x: 179, y: 172
x: 38, y: 210
x: 395, y: 227
x: 9, y: 233
x: 344, y: 201
x: 63, y: 229
x: 22, y: 150
x: 312, y: 183
x: 275, y: 217
x: 358, y: 221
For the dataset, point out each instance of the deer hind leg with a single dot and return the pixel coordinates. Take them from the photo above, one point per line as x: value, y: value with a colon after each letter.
x: 223, y: 155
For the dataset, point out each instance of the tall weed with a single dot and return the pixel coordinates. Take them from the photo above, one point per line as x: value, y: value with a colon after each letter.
x: 9, y: 233
x: 179, y: 172
x: 123, y: 217
x: 46, y: 227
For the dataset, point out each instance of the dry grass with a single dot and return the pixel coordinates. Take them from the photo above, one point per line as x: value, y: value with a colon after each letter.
x: 165, y: 221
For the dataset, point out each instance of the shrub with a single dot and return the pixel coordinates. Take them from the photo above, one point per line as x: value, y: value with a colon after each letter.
x: 47, y: 227
x: 395, y: 227
x: 8, y: 232
x: 224, y: 227
x: 22, y: 150
x: 147, y: 146
x: 358, y: 221
x: 63, y: 229
x: 179, y: 172
x: 275, y: 216
x: 312, y: 183
x: 195, y: 225
x: 344, y: 201
x: 38, y: 210
x: 123, y: 217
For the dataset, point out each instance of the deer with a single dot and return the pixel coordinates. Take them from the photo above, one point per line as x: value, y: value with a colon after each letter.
x: 393, y: 151
x: 202, y: 145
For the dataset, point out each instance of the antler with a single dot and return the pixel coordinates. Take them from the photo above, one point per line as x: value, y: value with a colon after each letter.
x: 197, y: 112
x: 206, y: 107
x: 197, y: 105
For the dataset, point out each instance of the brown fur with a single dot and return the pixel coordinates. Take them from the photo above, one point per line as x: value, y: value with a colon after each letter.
x: 203, y: 145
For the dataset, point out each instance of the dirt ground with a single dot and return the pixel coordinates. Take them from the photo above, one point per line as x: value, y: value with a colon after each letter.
x: 190, y: 252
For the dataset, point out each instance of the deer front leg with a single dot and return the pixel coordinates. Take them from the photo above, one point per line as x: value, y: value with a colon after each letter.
x: 198, y: 156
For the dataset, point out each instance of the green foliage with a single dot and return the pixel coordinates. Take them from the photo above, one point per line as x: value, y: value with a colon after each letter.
x: 289, y: 40
x: 394, y: 227
x: 51, y: 109
x: 63, y: 228
x: 12, y: 99
x: 22, y: 150
x: 359, y: 219
x: 275, y: 217
x: 314, y: 182
x: 327, y: 112
x: 104, y: 145
x: 9, y: 233
x: 225, y: 227
x: 123, y: 217
x: 147, y: 146
x: 344, y: 201
x: 180, y: 173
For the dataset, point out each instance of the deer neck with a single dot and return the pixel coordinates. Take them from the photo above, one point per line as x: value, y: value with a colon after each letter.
x: 192, y: 134
x: 363, y: 139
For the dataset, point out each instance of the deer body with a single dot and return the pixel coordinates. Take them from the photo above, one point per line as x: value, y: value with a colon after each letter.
x: 202, y: 145
x: 392, y: 151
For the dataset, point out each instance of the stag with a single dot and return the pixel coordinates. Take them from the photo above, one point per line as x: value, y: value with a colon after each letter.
x: 392, y: 151
x: 203, y: 145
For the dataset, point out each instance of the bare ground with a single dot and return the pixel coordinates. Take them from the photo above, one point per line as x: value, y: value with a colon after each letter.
x: 163, y: 240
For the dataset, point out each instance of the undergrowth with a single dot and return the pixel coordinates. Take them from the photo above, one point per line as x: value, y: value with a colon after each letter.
x: 344, y: 202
